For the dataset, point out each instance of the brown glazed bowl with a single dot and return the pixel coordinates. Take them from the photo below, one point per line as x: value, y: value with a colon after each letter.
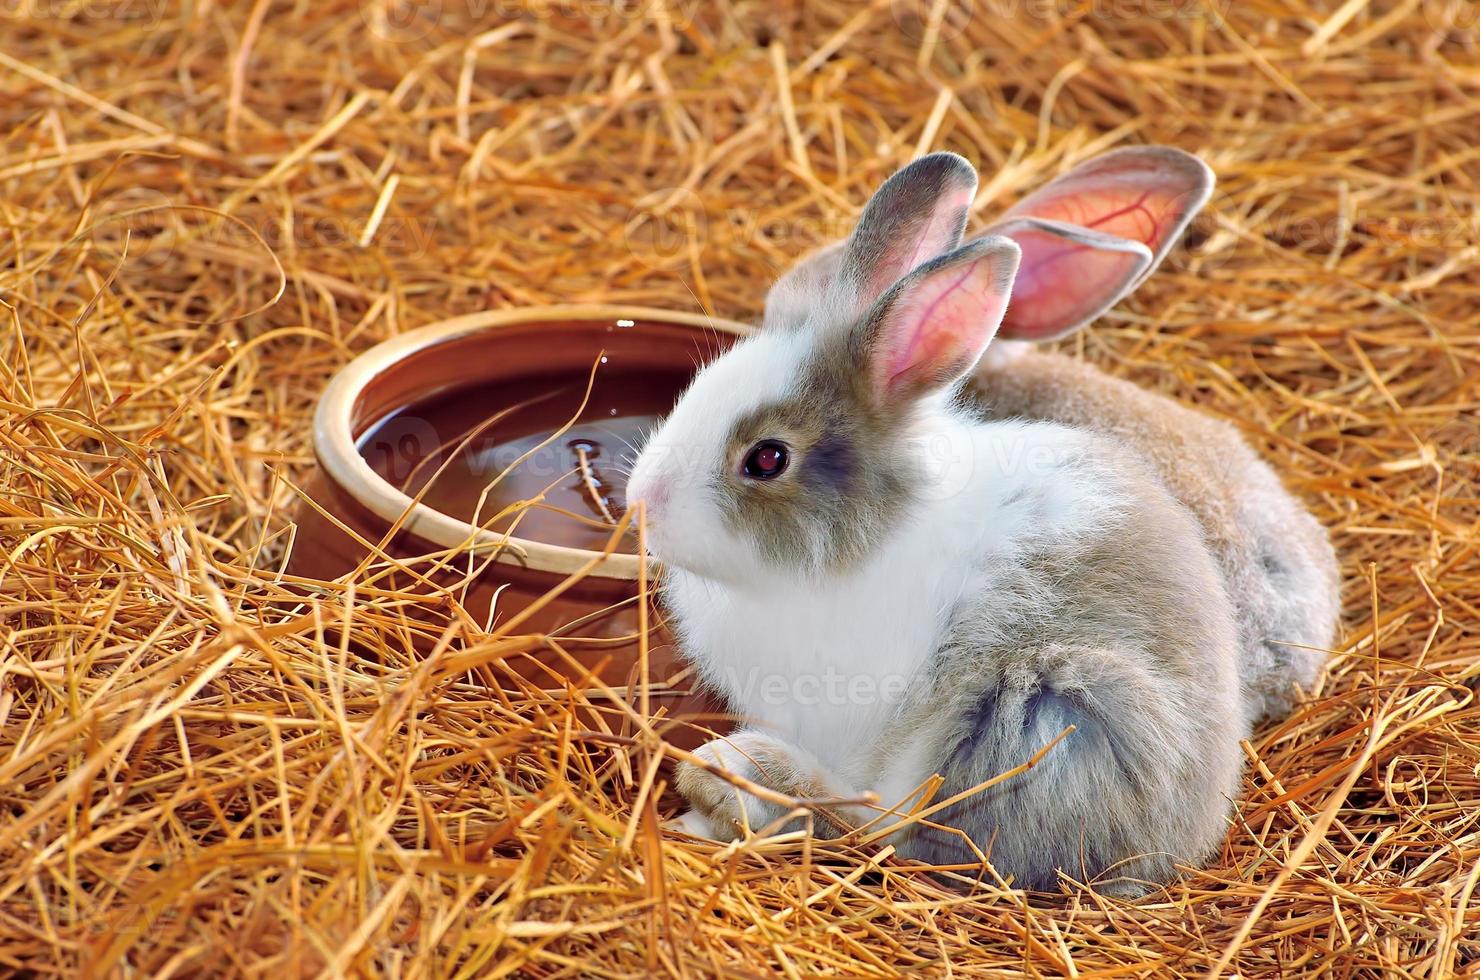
x: 373, y: 400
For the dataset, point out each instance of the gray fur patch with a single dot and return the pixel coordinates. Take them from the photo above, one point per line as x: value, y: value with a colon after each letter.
x: 845, y: 486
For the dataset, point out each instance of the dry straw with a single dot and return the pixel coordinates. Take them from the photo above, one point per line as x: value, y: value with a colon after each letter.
x: 201, y: 773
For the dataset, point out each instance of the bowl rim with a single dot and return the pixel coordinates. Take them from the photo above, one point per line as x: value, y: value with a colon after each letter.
x: 334, y: 441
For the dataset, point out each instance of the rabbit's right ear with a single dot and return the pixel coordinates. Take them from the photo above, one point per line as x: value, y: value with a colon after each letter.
x: 1092, y: 235
x: 916, y: 215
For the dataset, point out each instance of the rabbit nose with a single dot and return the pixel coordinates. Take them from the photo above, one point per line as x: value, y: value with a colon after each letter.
x: 657, y: 495
x: 652, y: 492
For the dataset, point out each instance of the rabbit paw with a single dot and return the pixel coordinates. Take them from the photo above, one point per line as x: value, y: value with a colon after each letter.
x: 693, y: 823
x: 721, y: 810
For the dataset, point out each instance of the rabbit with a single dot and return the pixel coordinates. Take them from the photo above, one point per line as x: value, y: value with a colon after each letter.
x: 1088, y: 238
x: 887, y: 585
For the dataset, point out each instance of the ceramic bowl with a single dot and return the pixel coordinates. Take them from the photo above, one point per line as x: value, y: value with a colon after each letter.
x: 370, y: 409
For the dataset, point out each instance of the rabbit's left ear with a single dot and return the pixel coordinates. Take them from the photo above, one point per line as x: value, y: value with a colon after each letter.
x: 916, y: 215
x: 1092, y: 235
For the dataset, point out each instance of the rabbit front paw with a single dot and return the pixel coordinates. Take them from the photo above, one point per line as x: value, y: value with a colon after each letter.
x: 694, y: 824
x: 721, y: 810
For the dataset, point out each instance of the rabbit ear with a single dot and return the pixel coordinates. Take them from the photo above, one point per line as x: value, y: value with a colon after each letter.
x: 918, y: 214
x: 802, y: 287
x: 1094, y: 234
x: 932, y: 326
x: 1069, y: 276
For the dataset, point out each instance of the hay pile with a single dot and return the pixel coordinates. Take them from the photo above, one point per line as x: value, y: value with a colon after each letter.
x: 201, y: 774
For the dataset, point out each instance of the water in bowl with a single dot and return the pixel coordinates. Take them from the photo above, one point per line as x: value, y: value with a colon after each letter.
x: 480, y: 451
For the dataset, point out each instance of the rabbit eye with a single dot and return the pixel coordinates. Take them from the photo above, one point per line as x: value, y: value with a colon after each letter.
x: 766, y: 460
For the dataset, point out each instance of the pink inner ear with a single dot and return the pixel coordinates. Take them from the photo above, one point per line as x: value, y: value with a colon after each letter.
x: 1066, y: 277
x: 942, y: 323
x: 1120, y: 209
x: 1146, y: 194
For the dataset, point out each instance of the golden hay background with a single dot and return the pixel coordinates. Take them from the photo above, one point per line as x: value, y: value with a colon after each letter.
x: 197, y: 777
